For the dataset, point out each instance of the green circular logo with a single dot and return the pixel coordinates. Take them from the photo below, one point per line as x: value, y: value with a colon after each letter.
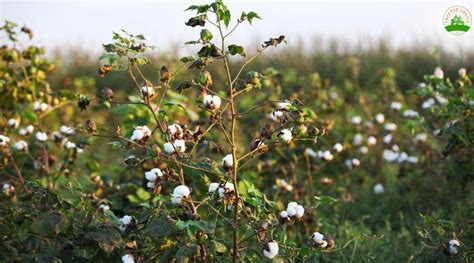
x: 457, y: 20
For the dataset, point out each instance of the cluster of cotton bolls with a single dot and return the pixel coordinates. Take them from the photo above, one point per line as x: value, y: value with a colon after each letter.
x: 177, y: 144
x: 293, y: 210
x: 40, y: 106
x: 153, y: 175
x: 180, y: 193
x: 126, y: 222
x: 225, y: 191
x: 453, y: 245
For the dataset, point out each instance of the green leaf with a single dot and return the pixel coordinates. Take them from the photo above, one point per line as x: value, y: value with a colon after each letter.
x: 160, y: 227
x: 235, y: 49
x: 31, y: 116
x: 143, y: 194
x: 226, y: 18
x: 251, y: 16
x: 206, y: 35
x: 326, y: 200
x: 115, y: 145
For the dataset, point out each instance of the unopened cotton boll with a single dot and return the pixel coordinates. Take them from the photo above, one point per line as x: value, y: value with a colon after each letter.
x: 228, y: 161
x: 4, y: 140
x: 285, y: 135
x: 371, y: 140
x: 21, y: 145
x: 358, y: 139
x: 41, y: 136
x: 395, y: 105
x: 390, y: 127
x: 338, y: 147
x: 356, y: 120
x: 128, y: 259
x: 438, y: 72
x: 380, y: 118
x: 378, y: 188
x: 212, y: 102
x: 390, y: 155
x: 271, y: 249
x: 153, y: 174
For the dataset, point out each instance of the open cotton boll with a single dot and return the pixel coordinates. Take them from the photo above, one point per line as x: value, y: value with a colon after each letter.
x: 292, y: 205
x: 395, y: 105
x: 454, y: 242
x: 327, y: 155
x: 390, y: 126
x: 150, y: 184
x: 364, y: 150
x: 66, y: 130
x: 4, y: 140
x: 276, y: 115
x: 228, y: 188
x: 438, y: 72
x: 338, y: 147
x: 41, y: 136
x: 390, y: 155
x: 462, y: 72
x: 8, y: 188
x: 212, y: 188
x: 103, y: 207
x: 178, y: 145
x: 285, y: 135
x: 13, y: 123
x: 410, y: 113
x: 371, y: 140
x: 283, y: 105
x: 227, y: 161
x: 441, y: 100
x: 70, y: 145
x: 271, y: 249
x: 421, y: 137
x: 128, y: 259
x: 356, y: 120
x: 403, y: 157
x: 176, y: 199
x: 175, y: 131
x: 380, y: 118
x: 428, y: 103
x: 181, y: 190
x: 412, y: 159
x: 126, y: 219
x: 212, y: 102
x: 310, y: 152
x: 387, y: 138
x: 358, y: 139
x: 291, y: 211
x: 355, y: 162
x: 20, y: 145
x: 153, y: 174
x: 147, y: 91
x: 299, y: 211
x: 283, y: 214
x: 379, y: 188
x: 317, y: 237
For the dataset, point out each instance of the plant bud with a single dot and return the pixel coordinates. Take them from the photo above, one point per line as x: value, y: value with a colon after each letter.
x: 107, y: 94
x: 205, y: 78
x: 253, y: 78
x: 206, y: 35
x: 165, y: 74
x: 91, y: 126
x: 267, y: 131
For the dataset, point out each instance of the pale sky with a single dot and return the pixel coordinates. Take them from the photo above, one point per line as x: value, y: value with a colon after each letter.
x: 88, y: 24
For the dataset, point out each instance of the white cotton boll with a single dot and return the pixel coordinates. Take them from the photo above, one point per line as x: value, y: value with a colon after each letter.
x: 66, y: 130
x: 364, y: 150
x: 291, y: 211
x: 356, y: 120
x: 324, y: 244
x: 168, y: 147
x: 327, y: 155
x: 41, y: 136
x: 228, y: 187
x: 13, y: 123
x: 175, y: 131
x: 176, y: 199
x: 378, y: 188
x: 299, y: 211
x: 56, y: 136
x: 103, y: 207
x: 338, y: 147
x: 147, y: 91
x: 355, y: 162
x: 428, y: 103
x: 70, y: 145
x: 128, y: 259
x: 462, y: 72
x: 228, y: 161
x: 153, y: 174
x: 390, y: 155
x: 125, y: 220
x: 380, y: 118
x: 390, y: 127
x: 44, y: 106
x: 438, y: 72
x: 283, y: 214
x: 212, y: 102
x: 4, y: 140
x: 395, y: 148
x: 317, y: 237
x: 30, y: 128
x: 348, y: 163
x: 8, y: 188
x: 271, y: 249
x: 22, y: 132
x: 276, y: 115
x: 372, y: 140
x: 412, y: 159
x: 21, y: 145
x: 395, y: 105
x: 212, y: 188
x: 410, y: 113
x: 283, y: 105
x: 137, y: 135
x: 285, y: 135
x: 181, y: 191
x: 310, y: 152
x: 180, y: 146
x: 453, y: 250
x: 387, y: 138
x: 79, y: 150
x: 403, y: 157
x: 421, y: 137
x: 358, y: 139
x: 150, y: 184
x: 368, y: 124
x: 454, y: 242
x: 441, y: 100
